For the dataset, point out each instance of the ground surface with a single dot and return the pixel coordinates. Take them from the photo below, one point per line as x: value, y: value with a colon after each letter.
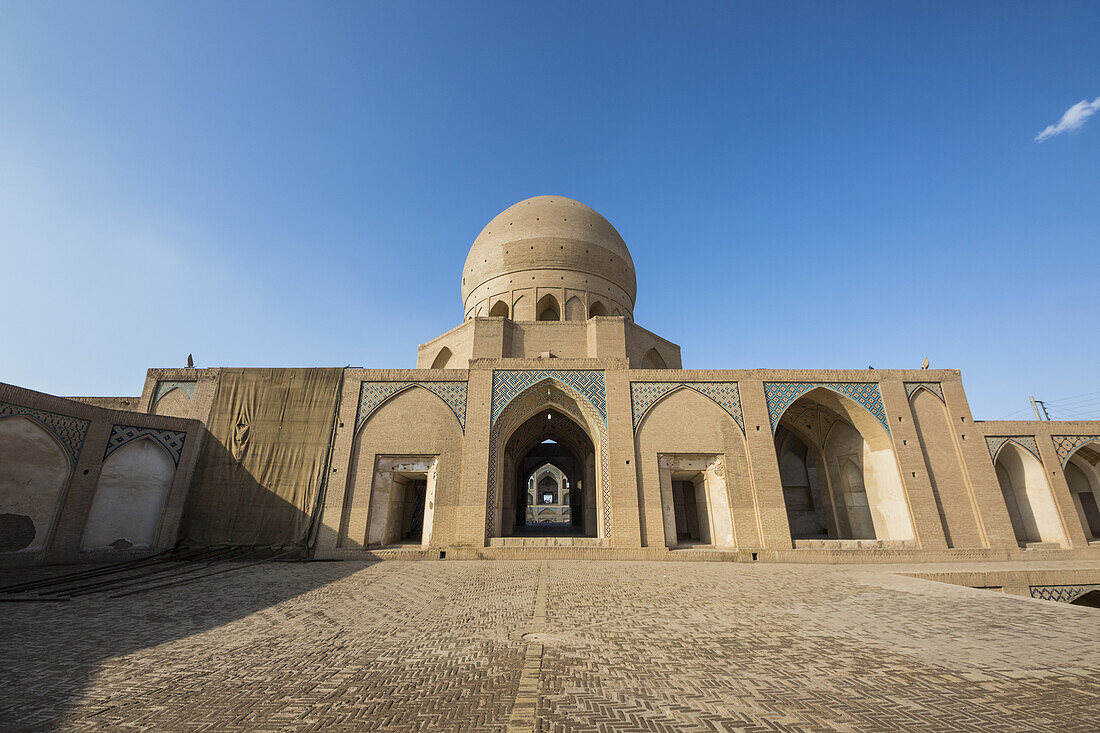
x: 610, y: 646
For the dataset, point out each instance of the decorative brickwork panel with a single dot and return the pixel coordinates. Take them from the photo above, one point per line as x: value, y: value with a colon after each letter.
x: 373, y: 394
x: 1027, y: 442
x: 933, y: 387
x: 508, y: 384
x: 780, y: 395
x: 164, y: 388
x: 172, y: 440
x: 71, y: 431
x: 726, y: 395
x: 1065, y: 445
x: 1061, y: 593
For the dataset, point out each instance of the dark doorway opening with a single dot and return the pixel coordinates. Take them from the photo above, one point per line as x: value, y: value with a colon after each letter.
x: 412, y: 523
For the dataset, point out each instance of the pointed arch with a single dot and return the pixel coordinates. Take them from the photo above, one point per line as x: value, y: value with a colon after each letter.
x: 548, y: 309
x: 152, y: 439
x: 442, y: 358
x: 519, y: 396
x: 587, y: 383
x: 955, y: 501
x: 499, y: 309
x: 866, y: 395
x: 523, y: 309
x: 175, y: 402
x: 37, y: 470
x: 519, y: 408
x: 373, y: 395
x: 407, y: 431
x: 574, y: 309
x: 645, y: 395
x: 128, y: 505
x: 597, y: 309
x: 687, y: 437
x: 1066, y: 445
x: 47, y: 429
x: 932, y: 388
x: 850, y: 437
x: 654, y: 360
x: 1082, y: 471
x: 1028, y: 496
x: 996, y: 444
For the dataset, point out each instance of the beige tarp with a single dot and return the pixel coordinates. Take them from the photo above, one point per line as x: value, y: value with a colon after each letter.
x: 261, y: 468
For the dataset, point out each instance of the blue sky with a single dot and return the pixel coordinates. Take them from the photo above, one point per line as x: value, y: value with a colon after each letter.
x: 802, y: 185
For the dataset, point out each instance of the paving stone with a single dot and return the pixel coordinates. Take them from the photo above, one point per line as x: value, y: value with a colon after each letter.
x: 439, y: 646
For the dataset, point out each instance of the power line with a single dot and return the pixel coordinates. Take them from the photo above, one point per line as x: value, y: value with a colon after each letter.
x: 1070, y: 398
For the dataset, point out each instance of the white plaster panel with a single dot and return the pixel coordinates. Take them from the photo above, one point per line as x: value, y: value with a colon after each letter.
x: 130, y: 497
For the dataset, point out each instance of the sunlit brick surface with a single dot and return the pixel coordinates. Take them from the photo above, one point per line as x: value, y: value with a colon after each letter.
x: 438, y: 646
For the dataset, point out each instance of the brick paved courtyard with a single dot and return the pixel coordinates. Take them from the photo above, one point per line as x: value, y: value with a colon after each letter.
x: 554, y: 646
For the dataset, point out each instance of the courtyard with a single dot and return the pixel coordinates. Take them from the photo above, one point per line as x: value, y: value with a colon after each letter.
x: 551, y: 646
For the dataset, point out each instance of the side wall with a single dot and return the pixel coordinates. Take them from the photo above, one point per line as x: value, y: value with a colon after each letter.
x: 80, y: 482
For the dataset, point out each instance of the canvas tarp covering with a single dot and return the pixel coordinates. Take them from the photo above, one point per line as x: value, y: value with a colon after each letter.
x: 261, y: 468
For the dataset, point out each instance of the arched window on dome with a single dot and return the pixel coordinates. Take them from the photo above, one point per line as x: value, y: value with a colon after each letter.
x: 499, y: 310
x: 574, y: 309
x: 597, y: 309
x: 548, y: 309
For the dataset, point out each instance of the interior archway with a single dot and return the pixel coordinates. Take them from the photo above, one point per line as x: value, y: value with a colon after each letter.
x: 547, y: 422
x: 802, y: 475
x: 839, y: 472
x: 548, y: 496
x: 1083, y: 477
x: 1027, y: 496
x: 549, y: 446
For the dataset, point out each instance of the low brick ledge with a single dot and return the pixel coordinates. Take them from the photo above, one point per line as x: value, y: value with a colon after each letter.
x: 815, y: 556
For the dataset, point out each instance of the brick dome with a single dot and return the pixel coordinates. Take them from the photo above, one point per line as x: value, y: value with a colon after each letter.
x: 547, y: 244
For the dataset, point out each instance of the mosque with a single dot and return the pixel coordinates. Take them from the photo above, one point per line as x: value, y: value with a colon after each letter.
x: 548, y: 420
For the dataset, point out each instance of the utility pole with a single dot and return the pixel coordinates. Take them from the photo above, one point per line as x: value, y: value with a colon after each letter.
x: 1035, y: 406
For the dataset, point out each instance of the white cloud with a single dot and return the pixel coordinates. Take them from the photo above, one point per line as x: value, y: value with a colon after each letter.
x: 1074, y: 117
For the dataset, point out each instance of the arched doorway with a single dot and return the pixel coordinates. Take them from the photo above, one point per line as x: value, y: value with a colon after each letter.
x: 550, y: 494
x: 548, y: 423
x: 839, y: 473
x: 548, y: 482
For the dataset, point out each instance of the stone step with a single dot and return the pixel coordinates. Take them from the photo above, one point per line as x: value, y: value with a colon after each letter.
x: 854, y: 544
x: 547, y: 542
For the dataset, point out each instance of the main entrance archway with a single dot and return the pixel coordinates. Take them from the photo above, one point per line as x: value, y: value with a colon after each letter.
x: 547, y: 426
x: 535, y: 500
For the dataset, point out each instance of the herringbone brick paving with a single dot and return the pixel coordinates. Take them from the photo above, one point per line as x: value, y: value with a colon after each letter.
x: 439, y: 646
